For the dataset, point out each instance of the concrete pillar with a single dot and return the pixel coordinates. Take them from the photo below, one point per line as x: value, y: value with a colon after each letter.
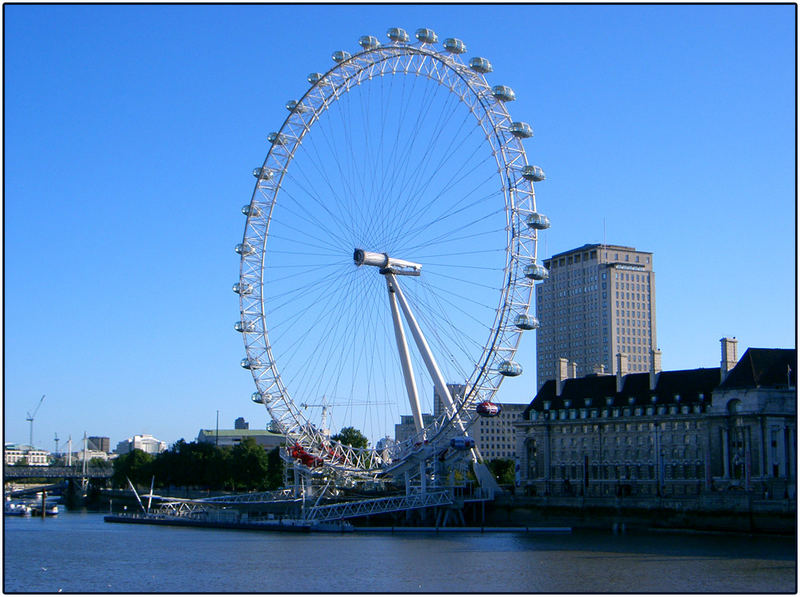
x: 725, y: 465
x: 781, y: 454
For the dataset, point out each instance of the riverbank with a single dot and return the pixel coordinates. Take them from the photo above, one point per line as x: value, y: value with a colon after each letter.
x: 739, y: 514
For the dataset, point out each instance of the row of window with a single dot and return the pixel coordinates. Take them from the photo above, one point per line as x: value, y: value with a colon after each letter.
x: 562, y: 414
x: 644, y: 472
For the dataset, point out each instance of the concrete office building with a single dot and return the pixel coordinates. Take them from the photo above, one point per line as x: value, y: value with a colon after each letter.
x: 599, y: 300
x: 99, y: 444
x: 496, y: 436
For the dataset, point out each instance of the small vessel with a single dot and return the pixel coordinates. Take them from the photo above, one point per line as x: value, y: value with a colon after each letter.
x: 49, y: 509
x: 15, y: 508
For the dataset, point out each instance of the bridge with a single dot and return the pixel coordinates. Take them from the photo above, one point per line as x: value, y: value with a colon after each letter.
x: 55, y: 472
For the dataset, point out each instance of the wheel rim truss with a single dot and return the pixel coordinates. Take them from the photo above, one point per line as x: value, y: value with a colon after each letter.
x: 495, y: 120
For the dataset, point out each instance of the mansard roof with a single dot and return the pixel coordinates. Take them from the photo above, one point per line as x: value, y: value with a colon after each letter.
x: 764, y: 367
x: 685, y: 387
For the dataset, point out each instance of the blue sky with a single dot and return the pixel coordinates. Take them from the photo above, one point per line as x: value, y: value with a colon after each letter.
x: 131, y: 131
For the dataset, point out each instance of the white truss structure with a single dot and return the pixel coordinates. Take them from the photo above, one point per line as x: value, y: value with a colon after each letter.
x: 401, y: 503
x: 472, y: 89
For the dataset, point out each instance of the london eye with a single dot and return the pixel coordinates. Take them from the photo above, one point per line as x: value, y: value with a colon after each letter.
x: 389, y: 254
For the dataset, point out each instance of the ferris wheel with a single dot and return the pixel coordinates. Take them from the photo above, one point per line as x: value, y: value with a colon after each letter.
x: 389, y: 254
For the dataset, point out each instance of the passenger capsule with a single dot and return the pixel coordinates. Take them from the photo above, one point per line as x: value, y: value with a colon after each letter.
x: 276, y: 139
x: 341, y: 56
x: 533, y: 173
x: 488, y: 409
x: 263, y: 173
x: 251, y: 364
x: 242, y: 289
x: 462, y: 443
x: 295, y: 106
x: 521, y: 130
x: 526, y: 322
x: 251, y: 210
x: 455, y: 46
x: 510, y: 368
x: 314, y: 78
x: 426, y: 36
x: 503, y: 93
x: 534, y: 271
x: 244, y: 249
x: 244, y: 326
x: 398, y: 35
x: 368, y: 42
x: 257, y: 398
x: 538, y: 221
x: 480, y: 65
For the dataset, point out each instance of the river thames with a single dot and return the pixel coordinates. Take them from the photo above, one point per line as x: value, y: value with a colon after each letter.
x: 79, y: 552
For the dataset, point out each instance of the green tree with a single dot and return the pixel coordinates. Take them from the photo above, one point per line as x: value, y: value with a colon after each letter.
x: 136, y: 465
x: 503, y: 470
x: 250, y: 465
x: 275, y: 469
x: 350, y: 436
x: 99, y: 463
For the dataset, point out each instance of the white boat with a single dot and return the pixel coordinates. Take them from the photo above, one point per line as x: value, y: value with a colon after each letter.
x: 14, y: 508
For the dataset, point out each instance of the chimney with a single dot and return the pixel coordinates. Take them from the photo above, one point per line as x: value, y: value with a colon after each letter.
x: 562, y: 375
x: 573, y: 370
x: 655, y: 367
x: 622, y: 369
x: 729, y: 359
x: 599, y: 369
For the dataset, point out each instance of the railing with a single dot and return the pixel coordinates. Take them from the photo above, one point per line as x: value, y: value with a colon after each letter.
x: 56, y: 472
x: 345, y: 510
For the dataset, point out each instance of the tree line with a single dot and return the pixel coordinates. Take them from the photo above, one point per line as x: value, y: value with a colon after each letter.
x: 243, y: 467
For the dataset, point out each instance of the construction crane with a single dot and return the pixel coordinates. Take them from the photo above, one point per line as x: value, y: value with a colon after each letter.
x: 30, y: 417
x: 325, y: 405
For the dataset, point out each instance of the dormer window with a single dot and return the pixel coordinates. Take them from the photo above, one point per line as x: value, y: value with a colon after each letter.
x: 631, y: 400
x: 587, y: 401
x: 567, y: 403
x: 609, y: 401
x: 547, y: 405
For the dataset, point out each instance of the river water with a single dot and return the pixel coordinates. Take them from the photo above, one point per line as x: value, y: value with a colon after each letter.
x: 79, y: 552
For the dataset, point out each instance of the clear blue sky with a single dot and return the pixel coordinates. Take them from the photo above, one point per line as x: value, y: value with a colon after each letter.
x: 131, y: 131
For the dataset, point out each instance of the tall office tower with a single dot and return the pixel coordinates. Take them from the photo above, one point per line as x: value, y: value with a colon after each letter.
x: 599, y: 300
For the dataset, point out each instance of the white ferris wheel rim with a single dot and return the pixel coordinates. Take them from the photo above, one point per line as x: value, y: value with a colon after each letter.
x: 471, y: 89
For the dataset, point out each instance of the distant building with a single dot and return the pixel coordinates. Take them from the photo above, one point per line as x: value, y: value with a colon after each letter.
x: 99, y: 444
x: 145, y: 443
x: 599, y: 300
x: 89, y: 454
x: 666, y: 433
x: 16, y: 453
x: 240, y: 423
x: 405, y: 429
x: 495, y: 437
x: 232, y: 437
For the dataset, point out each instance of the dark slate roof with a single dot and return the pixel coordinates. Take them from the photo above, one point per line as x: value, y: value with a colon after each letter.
x: 763, y: 367
x: 692, y: 385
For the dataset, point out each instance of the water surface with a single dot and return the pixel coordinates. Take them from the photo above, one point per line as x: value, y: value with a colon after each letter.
x: 78, y: 552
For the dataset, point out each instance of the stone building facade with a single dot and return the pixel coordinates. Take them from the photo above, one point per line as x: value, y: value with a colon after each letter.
x: 665, y: 433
